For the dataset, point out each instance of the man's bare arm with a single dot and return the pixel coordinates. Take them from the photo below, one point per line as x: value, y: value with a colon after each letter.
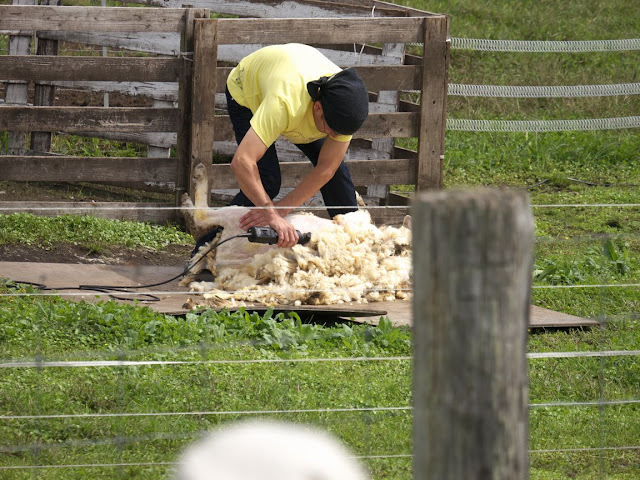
x: 245, y: 168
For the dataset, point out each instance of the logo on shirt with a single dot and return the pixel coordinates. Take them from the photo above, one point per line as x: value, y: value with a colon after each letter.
x: 239, y: 77
x: 297, y: 137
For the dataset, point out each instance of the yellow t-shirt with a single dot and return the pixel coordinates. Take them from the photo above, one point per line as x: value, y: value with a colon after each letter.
x: 272, y: 83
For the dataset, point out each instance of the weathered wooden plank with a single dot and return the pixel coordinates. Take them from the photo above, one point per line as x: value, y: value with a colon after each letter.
x: 375, y: 77
x: 409, y: 11
x: 141, y: 212
x: 149, y: 212
x: 91, y: 19
x: 321, y: 30
x: 78, y: 119
x: 52, y: 168
x: 363, y: 145
x: 289, y: 152
x: 360, y: 149
x: 167, y: 91
x: 391, y: 77
x: 291, y: 9
x: 160, y: 43
x: 169, y: 44
x: 344, y: 58
x: 433, y: 103
x: 380, y: 125
x: 112, y: 69
x: 377, y: 125
x: 363, y: 172
x: 406, y: 106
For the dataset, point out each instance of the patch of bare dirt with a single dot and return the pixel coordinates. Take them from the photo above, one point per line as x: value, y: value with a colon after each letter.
x: 174, y: 255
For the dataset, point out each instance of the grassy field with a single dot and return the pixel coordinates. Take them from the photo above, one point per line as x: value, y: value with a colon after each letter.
x: 576, y: 244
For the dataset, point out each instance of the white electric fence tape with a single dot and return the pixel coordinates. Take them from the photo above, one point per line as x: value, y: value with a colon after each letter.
x: 542, y: 125
x: 148, y: 363
x: 545, y: 46
x: 532, y: 91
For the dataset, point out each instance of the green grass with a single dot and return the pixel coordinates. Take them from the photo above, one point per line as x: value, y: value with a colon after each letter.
x: 87, y: 231
x: 58, y: 329
x: 95, y: 147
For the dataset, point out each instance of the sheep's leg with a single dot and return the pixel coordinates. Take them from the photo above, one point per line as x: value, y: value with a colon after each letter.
x: 195, y: 213
x: 201, y: 194
x: 187, y: 212
x: 202, y: 220
x: 201, y: 183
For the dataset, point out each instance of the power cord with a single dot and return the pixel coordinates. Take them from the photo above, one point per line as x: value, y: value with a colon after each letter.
x: 125, y: 288
x: 265, y: 235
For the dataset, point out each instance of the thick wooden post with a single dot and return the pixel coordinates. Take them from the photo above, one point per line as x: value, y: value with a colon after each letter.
x: 203, y: 107
x: 185, y: 98
x: 472, y: 274
x: 433, y: 103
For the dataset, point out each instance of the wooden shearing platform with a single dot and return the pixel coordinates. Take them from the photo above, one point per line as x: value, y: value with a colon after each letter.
x: 170, y: 298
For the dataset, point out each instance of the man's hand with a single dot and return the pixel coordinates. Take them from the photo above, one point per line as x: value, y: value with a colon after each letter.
x: 259, y: 217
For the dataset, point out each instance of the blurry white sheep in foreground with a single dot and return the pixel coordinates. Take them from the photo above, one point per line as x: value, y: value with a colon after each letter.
x: 348, y: 259
x: 262, y: 450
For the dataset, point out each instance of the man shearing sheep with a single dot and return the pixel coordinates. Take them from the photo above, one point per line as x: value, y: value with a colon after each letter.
x: 295, y: 91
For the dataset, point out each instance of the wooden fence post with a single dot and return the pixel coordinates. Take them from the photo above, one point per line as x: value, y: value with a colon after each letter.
x: 433, y: 102
x: 472, y: 276
x: 185, y: 98
x: 203, y: 107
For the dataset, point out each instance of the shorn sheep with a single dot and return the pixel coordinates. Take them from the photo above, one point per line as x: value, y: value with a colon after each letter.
x: 267, y: 450
x: 348, y: 259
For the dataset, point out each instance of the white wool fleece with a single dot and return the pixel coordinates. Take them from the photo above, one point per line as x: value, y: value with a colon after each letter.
x: 347, y: 260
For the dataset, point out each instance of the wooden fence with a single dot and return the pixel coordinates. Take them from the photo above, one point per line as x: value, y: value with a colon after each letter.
x: 199, y: 71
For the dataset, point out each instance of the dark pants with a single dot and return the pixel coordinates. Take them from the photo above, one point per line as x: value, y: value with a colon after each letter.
x: 337, y: 192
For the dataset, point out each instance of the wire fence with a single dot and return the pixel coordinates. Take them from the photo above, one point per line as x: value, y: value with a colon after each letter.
x: 122, y: 441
